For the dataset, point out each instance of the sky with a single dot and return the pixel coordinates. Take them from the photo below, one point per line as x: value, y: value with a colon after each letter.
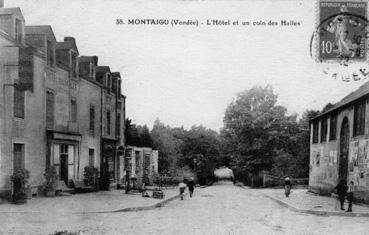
x: 187, y: 75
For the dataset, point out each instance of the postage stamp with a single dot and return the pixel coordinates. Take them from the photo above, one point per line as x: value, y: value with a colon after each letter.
x: 342, y: 31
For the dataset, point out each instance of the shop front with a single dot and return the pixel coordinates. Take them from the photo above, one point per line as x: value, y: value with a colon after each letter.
x: 64, y: 155
x: 108, y: 164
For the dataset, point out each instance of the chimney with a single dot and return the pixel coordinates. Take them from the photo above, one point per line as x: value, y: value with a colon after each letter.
x: 1, y: 3
x: 68, y: 39
x: 95, y: 59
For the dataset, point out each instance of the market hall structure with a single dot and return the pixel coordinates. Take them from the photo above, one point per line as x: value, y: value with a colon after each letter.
x: 339, y: 145
x: 57, y: 108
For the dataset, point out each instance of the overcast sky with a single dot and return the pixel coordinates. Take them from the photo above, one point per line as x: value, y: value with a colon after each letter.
x: 188, y: 75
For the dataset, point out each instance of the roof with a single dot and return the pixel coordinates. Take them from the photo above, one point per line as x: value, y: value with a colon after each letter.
x: 115, y: 74
x: 10, y: 11
x: 67, y: 45
x: 91, y: 59
x: 102, y: 69
x: 40, y: 29
x: 355, y: 95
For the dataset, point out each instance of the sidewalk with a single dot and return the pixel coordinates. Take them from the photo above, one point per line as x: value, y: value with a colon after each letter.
x: 303, y: 201
x: 94, y: 202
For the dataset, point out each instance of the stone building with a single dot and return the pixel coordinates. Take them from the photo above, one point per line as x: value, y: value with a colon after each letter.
x: 140, y: 163
x: 339, y: 145
x: 57, y: 108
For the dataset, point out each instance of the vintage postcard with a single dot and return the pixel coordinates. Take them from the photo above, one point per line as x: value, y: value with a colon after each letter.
x: 184, y: 117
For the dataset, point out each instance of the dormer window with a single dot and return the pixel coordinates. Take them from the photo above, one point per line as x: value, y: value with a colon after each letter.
x: 18, y: 30
x: 5, y: 23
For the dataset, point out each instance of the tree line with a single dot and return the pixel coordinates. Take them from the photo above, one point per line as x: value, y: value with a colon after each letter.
x: 258, y: 136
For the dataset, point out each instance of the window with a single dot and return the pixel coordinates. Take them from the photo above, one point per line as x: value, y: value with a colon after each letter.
x: 92, y: 118
x: 359, y: 118
x: 18, y: 103
x: 50, y: 54
x: 109, y: 84
x: 315, y: 132
x: 64, y: 149
x: 18, y: 30
x: 73, y: 110
x: 333, y: 127
x: 49, y: 109
x: 74, y: 65
x: 118, y: 125
x: 323, y: 131
x: 91, y: 157
x: 18, y: 156
x: 108, y: 122
x: 137, y: 161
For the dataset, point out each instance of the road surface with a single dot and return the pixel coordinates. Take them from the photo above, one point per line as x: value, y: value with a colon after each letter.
x: 220, y: 209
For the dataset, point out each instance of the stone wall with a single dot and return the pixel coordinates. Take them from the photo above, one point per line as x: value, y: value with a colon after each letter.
x: 325, y: 158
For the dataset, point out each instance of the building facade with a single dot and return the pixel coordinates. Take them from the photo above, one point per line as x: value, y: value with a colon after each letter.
x: 339, y: 145
x: 57, y: 108
x: 140, y: 163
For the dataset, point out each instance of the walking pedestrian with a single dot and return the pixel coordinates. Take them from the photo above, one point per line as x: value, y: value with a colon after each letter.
x: 341, y: 190
x: 287, y: 186
x: 350, y: 195
x: 191, y: 186
x: 182, y: 187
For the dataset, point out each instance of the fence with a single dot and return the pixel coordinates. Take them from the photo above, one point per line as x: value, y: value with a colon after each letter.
x: 272, y: 181
x: 168, y: 180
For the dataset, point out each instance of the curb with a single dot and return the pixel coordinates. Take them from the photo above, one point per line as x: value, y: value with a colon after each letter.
x: 315, y: 212
x: 138, y: 208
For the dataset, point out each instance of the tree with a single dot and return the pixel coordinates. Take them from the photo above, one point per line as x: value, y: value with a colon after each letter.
x: 327, y: 107
x: 258, y: 133
x: 253, y: 124
x: 131, y: 133
x: 200, y: 151
x: 303, y: 148
x: 137, y: 135
x: 145, y: 139
x: 167, y: 144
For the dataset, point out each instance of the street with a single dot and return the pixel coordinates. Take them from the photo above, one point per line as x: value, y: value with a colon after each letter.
x: 219, y: 209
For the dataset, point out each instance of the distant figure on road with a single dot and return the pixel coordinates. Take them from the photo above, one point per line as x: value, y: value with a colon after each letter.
x: 341, y: 190
x: 350, y: 195
x: 287, y: 186
x: 182, y: 186
x: 191, y: 186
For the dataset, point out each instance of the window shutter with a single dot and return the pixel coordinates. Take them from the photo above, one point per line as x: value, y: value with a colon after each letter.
x: 56, y: 154
x: 49, y: 110
x: 71, y: 165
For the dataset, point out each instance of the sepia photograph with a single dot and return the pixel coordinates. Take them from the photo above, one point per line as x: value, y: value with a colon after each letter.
x: 184, y: 117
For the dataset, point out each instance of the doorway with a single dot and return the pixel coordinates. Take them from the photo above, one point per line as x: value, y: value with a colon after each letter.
x: 64, y: 163
x: 344, y: 149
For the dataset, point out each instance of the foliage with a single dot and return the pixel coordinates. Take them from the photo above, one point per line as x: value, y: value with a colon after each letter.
x: 90, y: 175
x: 259, y: 136
x: 51, y: 178
x: 167, y: 141
x: 137, y: 135
x: 168, y: 180
x: 253, y: 127
x: 327, y: 107
x: 20, y: 176
x: 20, y: 179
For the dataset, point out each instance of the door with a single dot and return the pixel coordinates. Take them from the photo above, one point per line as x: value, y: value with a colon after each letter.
x: 64, y: 163
x: 107, y: 167
x: 344, y: 149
